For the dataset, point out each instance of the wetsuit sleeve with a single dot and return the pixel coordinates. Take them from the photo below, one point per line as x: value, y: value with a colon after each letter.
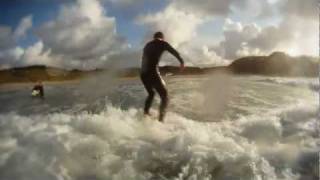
x: 174, y: 52
x: 41, y: 91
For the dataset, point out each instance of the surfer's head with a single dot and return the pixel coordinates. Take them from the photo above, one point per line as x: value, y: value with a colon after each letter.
x: 158, y: 35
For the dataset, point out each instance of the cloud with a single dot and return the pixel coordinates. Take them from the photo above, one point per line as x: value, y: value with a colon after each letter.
x: 299, y: 36
x: 125, y: 59
x: 24, y: 25
x: 178, y: 26
x: 10, y: 52
x: 82, y: 32
x: 235, y: 36
x: 32, y: 55
x: 36, y: 54
x: 83, y: 35
x: 11, y: 57
x: 306, y: 9
x: 7, y: 40
x: 181, y: 19
x: 204, y: 7
x: 125, y: 3
x: 8, y: 37
x: 202, y: 56
x: 241, y: 39
x: 244, y: 50
x: 294, y: 35
x: 181, y: 30
x: 224, y: 8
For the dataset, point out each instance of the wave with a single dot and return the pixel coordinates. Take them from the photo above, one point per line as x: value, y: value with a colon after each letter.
x: 122, y: 144
x: 311, y: 83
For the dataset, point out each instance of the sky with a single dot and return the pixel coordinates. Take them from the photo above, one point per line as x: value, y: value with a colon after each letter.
x: 90, y: 34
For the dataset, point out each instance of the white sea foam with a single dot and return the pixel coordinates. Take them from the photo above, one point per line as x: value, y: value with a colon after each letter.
x: 117, y: 144
x: 312, y: 83
x: 263, y: 141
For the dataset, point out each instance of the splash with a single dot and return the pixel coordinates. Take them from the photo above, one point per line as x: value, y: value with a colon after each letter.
x: 271, y: 138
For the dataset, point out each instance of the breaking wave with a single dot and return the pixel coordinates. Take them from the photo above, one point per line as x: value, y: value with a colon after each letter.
x: 122, y: 144
x: 262, y: 136
x: 312, y: 83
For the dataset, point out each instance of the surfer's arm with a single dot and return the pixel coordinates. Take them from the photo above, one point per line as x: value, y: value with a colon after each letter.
x: 174, y: 53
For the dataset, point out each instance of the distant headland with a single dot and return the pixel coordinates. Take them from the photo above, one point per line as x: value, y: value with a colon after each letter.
x: 276, y: 64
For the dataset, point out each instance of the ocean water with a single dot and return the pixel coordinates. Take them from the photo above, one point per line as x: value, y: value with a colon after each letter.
x: 217, y: 127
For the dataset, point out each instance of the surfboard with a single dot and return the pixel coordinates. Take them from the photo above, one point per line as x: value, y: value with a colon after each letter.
x: 152, y: 117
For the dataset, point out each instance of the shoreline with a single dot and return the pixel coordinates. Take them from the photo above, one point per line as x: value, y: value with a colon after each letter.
x: 18, y: 85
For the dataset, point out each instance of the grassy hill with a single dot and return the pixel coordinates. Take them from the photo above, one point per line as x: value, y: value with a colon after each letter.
x: 41, y: 73
x: 277, y: 64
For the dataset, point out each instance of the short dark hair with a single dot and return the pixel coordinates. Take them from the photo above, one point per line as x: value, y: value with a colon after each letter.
x: 158, y: 35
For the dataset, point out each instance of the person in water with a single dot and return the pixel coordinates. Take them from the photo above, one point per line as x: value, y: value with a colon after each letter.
x: 150, y: 75
x: 38, y: 90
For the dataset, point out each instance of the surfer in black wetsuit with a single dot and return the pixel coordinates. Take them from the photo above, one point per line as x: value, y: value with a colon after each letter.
x: 150, y: 75
x: 39, y: 90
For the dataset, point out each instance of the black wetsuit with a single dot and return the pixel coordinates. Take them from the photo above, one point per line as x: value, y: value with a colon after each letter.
x: 150, y: 74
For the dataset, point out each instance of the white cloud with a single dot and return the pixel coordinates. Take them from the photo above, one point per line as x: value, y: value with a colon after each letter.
x: 181, y: 19
x: 294, y: 35
x: 303, y: 38
x: 180, y: 29
x: 8, y: 37
x: 10, y: 52
x: 178, y: 26
x: 244, y: 50
x: 36, y: 54
x: 82, y: 32
x: 83, y: 36
x: 11, y: 57
x: 229, y: 25
x: 235, y: 36
x: 24, y: 25
x: 202, y: 56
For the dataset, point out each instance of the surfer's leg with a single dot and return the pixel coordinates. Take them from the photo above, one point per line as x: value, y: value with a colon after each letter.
x: 161, y: 89
x: 148, y: 86
x: 148, y: 102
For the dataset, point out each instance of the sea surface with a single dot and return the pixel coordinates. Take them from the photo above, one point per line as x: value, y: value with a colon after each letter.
x: 219, y: 127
